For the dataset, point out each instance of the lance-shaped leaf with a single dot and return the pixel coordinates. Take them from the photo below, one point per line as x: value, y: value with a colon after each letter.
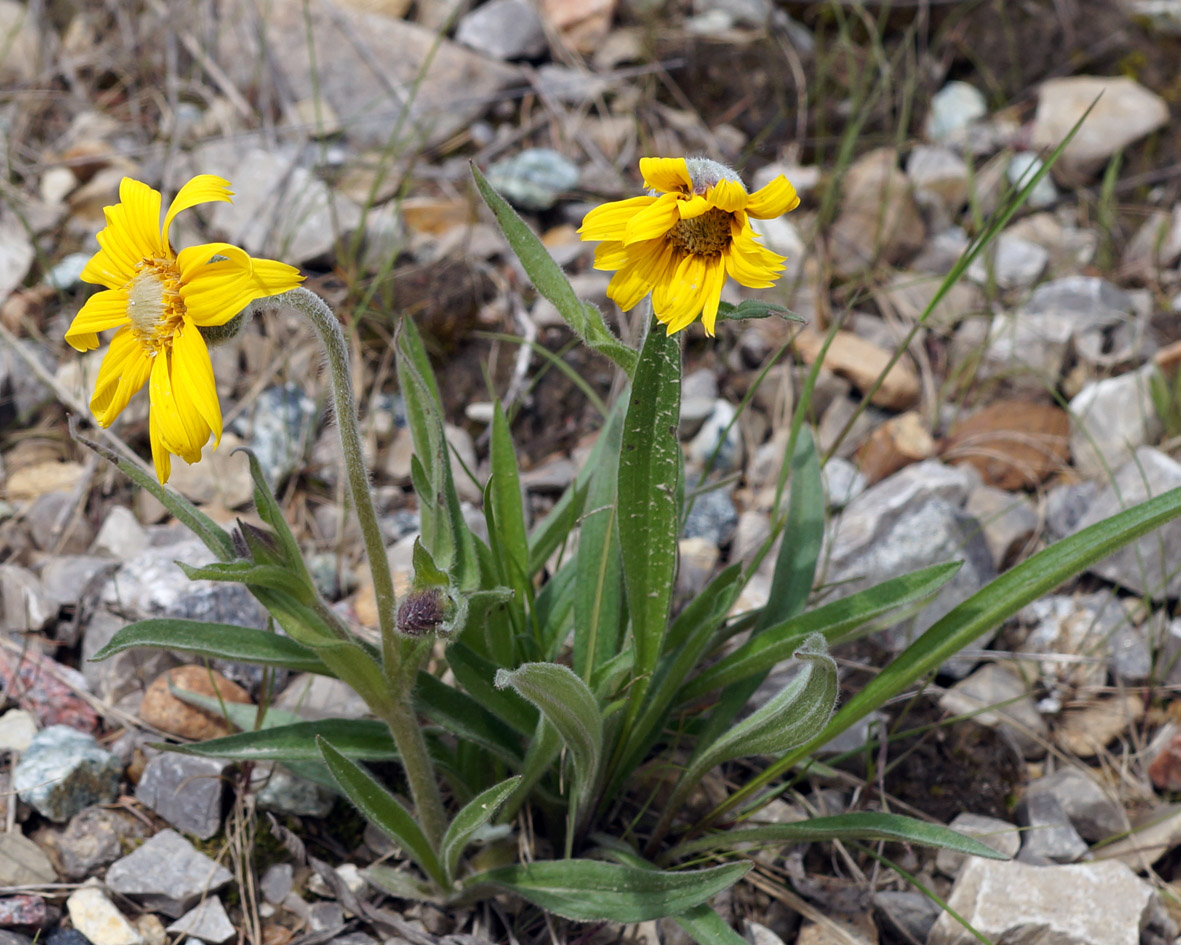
x: 273, y: 576
x: 466, y: 718
x: 649, y: 466
x: 269, y: 512
x: 217, y: 641
x: 796, y: 713
x: 362, y: 739
x: 753, y: 308
x: 594, y: 891
x: 547, y: 276
x: 474, y: 816
x: 570, y: 707
x: 859, y: 825
x: 383, y: 810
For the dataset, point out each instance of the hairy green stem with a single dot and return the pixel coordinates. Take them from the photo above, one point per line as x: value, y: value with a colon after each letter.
x: 398, y: 714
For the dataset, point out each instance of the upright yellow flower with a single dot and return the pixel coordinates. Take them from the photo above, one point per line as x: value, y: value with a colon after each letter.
x: 680, y: 241
x: 159, y: 299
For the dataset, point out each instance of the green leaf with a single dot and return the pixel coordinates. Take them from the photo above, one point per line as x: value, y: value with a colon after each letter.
x: 571, y: 708
x: 426, y: 572
x: 214, y: 537
x: 706, y: 927
x: 649, y: 465
x: 362, y: 739
x: 269, y: 511
x: 546, y: 275
x: 753, y: 308
x: 273, y: 576
x: 836, y: 620
x: 217, y: 641
x: 860, y: 825
x: 594, y: 891
x: 383, y: 810
x: 983, y: 611
x: 475, y: 815
x: 477, y: 676
x: 507, y: 505
x: 399, y: 883
x: 466, y: 718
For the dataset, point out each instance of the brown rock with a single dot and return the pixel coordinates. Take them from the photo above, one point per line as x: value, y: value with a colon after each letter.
x: 898, y: 442
x: 861, y: 361
x: 1013, y: 444
x: 582, y: 24
x: 1087, y: 731
x: 878, y: 218
x: 1165, y: 770
x: 166, y: 712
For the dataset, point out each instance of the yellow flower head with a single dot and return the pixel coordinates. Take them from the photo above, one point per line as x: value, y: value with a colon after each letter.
x: 680, y: 241
x: 159, y: 299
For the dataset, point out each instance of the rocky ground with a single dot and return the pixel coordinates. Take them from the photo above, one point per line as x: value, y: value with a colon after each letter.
x: 1042, y: 395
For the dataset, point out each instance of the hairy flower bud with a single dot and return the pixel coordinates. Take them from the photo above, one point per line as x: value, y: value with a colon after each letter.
x: 424, y: 610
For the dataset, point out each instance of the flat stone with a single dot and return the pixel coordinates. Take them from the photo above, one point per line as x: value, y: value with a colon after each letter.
x: 167, y: 874
x: 64, y: 771
x: 207, y: 922
x: 843, y: 482
x: 23, y: 863
x: 49, y: 520
x: 1086, y: 731
x: 1049, y: 836
x: 426, y: 89
x: 910, y: 914
x: 721, y: 432
x: 1126, y: 112
x: 16, y: 253
x: 123, y: 673
x: 1091, y: 812
x: 536, y: 178
x: 1020, y: 171
x: 1001, y: 835
x: 992, y: 686
x: 862, y: 361
x: 315, y: 697
x: 1110, y: 418
x: 71, y: 579
x: 1153, y: 835
x: 1147, y: 566
x: 121, y: 535
x: 96, y: 917
x: 940, y: 172
x: 899, y: 442
x: 1065, y: 504
x: 277, y: 882
x: 1010, y: 262
x: 1079, y: 904
x: 186, y: 790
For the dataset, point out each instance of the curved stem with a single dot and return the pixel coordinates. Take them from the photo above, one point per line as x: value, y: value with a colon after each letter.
x: 399, y: 713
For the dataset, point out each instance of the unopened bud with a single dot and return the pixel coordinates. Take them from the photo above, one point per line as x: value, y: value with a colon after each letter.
x: 423, y: 611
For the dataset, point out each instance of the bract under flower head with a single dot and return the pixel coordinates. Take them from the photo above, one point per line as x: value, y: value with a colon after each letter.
x: 159, y: 299
x: 680, y: 241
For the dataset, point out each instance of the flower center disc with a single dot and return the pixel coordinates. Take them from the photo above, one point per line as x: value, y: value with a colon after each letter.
x: 706, y: 235
x: 151, y: 302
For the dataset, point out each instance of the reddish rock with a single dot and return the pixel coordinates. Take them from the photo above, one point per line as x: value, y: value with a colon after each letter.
x: 169, y: 714
x: 1013, y: 444
x: 47, y: 690
x: 1165, y: 770
x: 22, y: 910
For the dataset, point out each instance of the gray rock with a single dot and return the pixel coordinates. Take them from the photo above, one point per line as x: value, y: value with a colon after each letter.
x: 1109, y: 419
x: 1130, y: 662
x: 1008, y: 520
x: 47, y: 520
x: 1080, y: 626
x: 282, y: 425
x: 717, y: 429
x: 908, y: 521
x: 699, y: 390
x: 503, y: 29
x: 123, y: 673
x: 1049, y: 836
x: 953, y: 108
x: 16, y: 253
x: 533, y: 179
x: 66, y: 273
x: 568, y: 85
x: 910, y: 914
x: 753, y: 528
x: 216, y: 602
x: 186, y: 790
x: 285, y: 793
x: 121, y: 535
x: 64, y: 771
x: 998, y: 698
x: 1001, y: 835
x: 207, y: 922
x: 24, y: 604
x: 94, y: 839
x: 320, y: 697
x: 150, y: 583
x: 1011, y: 262
x: 326, y: 915
x: 713, y: 515
x: 843, y: 482
x: 1091, y: 812
x: 277, y: 882
x: 23, y: 863
x: 71, y: 579
x: 167, y: 874
x: 1123, y: 111
x: 1064, y: 506
x: 1082, y: 904
x: 21, y: 391
x: 1147, y: 566
x: 1020, y: 171
x: 940, y: 172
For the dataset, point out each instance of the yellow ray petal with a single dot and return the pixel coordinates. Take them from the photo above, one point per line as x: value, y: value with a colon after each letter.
x: 727, y: 195
x: 204, y: 188
x: 611, y: 255
x: 192, y: 377
x: 750, y: 263
x: 669, y: 175
x: 640, y: 275
x: 124, y: 347
x: 103, y: 310
x: 172, y: 430
x: 161, y: 458
x: 609, y: 221
x: 214, y: 292
x: 117, y: 261
x: 272, y: 277
x: 653, y: 221
x: 139, y: 215
x: 133, y: 377
x: 695, y: 206
x: 684, y: 299
x: 777, y: 198
x: 715, y: 278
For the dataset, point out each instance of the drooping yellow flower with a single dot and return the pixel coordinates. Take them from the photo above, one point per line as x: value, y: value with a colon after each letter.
x: 682, y: 240
x: 159, y: 299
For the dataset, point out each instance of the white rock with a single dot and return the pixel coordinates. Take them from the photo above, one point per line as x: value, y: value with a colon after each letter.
x: 1022, y: 167
x: 1126, y: 112
x: 96, y: 917
x: 121, y: 534
x: 17, y: 729
x: 953, y: 108
x: 16, y: 253
x: 24, y: 603
x: 1011, y: 262
x: 843, y: 482
x: 941, y: 172
x: 1079, y: 904
x: 503, y: 29
x: 1001, y: 835
x: 207, y: 922
x: 1109, y: 419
